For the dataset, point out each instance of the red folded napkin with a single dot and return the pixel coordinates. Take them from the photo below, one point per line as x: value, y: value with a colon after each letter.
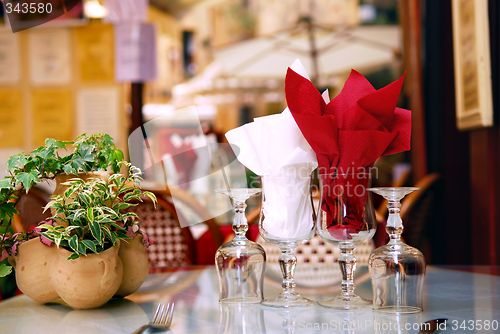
x: 344, y: 200
x: 349, y: 133
x: 354, y: 129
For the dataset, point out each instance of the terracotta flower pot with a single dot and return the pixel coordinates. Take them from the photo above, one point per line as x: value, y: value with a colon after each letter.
x: 135, y: 265
x: 89, y: 281
x: 33, y: 265
x: 44, y: 274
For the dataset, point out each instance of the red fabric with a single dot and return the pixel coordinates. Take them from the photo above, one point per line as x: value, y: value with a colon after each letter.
x: 354, y: 129
x: 206, y: 247
x: 344, y: 202
x: 348, y: 135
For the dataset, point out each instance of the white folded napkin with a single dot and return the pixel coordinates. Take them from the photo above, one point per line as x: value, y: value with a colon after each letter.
x: 271, y: 146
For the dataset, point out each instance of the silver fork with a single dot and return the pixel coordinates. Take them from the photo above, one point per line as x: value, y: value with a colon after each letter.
x: 162, y: 319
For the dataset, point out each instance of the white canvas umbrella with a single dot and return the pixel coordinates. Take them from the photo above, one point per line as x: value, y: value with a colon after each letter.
x: 324, y: 52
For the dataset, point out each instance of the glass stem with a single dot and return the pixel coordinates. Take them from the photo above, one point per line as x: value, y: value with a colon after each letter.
x: 288, y: 324
x: 240, y: 223
x: 394, y: 225
x: 347, y: 263
x: 395, y: 228
x: 287, y: 262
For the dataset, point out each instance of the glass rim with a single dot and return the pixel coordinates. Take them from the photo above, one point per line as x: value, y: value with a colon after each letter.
x: 393, y: 188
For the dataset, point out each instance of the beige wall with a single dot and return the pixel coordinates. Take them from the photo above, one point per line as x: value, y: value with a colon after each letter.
x: 169, y: 57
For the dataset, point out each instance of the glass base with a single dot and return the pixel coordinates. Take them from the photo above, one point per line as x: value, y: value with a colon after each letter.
x: 240, y: 301
x: 397, y: 309
x: 289, y: 300
x: 347, y: 303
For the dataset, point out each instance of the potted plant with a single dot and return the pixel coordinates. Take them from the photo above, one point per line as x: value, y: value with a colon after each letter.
x: 90, y: 153
x: 91, y: 235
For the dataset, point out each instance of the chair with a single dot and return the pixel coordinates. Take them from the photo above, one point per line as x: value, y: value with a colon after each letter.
x: 419, y: 213
x: 160, y: 254
x: 317, y: 270
x: 173, y: 246
x: 30, y: 207
x: 192, y: 204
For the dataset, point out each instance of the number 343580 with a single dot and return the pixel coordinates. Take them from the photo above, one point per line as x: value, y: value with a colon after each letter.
x: 28, y: 7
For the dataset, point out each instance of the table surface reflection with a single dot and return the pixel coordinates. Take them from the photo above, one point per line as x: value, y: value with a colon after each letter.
x: 460, y: 296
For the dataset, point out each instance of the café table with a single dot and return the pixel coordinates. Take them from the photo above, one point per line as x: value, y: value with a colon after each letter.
x: 468, y: 296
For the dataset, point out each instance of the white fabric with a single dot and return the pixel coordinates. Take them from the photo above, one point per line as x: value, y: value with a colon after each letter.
x: 273, y: 145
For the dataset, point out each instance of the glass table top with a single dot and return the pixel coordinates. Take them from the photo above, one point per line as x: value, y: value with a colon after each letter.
x: 460, y: 296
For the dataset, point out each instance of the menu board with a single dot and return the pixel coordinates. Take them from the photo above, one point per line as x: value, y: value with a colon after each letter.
x: 126, y: 11
x: 51, y: 115
x: 10, y: 69
x: 135, y: 51
x: 98, y: 111
x: 11, y: 118
x: 49, y: 56
x: 471, y: 48
x: 95, y: 54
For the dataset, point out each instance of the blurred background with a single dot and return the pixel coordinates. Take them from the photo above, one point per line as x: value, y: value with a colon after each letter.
x: 119, y: 66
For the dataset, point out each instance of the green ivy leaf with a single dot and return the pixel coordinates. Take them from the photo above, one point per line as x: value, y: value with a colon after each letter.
x: 17, y: 161
x: 108, y: 140
x: 68, y: 169
x: 5, y: 183
x: 86, y: 152
x: 7, y: 211
x: 47, y: 153
x: 63, y: 143
x: 32, y: 165
x: 77, y: 164
x: 56, y: 166
x: 49, y: 142
x: 27, y: 179
x: 37, y: 150
x: 5, y: 270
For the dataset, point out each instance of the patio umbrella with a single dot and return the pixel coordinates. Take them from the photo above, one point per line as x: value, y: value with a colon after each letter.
x: 325, y: 52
